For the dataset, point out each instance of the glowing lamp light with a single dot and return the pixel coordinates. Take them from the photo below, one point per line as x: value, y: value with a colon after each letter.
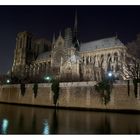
x: 5, y: 124
x: 46, y: 128
x: 110, y: 74
x: 7, y: 81
x: 47, y: 78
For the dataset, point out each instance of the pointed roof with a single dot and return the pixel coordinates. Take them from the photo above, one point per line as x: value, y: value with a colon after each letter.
x: 75, y: 22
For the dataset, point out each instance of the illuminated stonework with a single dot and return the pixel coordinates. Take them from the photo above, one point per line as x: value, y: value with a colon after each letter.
x: 65, y: 58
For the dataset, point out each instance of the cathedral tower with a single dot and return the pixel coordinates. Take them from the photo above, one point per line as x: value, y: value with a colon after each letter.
x: 21, y: 53
x: 75, y: 26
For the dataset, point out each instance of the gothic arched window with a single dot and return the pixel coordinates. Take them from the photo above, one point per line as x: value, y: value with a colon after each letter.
x: 102, y: 60
x: 116, y: 57
x: 108, y: 56
x: 94, y: 59
x: 87, y: 58
x: 83, y: 59
x: 20, y: 43
x: 109, y: 65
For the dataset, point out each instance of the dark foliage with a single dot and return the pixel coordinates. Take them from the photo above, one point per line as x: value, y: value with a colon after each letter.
x: 22, y: 88
x: 105, y: 87
x: 35, y: 89
x: 55, y: 88
x: 128, y: 87
x: 132, y: 63
x: 54, y: 125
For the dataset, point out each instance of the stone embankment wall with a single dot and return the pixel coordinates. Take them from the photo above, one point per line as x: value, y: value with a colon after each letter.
x: 74, y: 95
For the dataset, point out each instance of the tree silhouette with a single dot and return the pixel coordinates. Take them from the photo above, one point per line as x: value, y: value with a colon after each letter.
x: 55, y: 88
x: 131, y: 65
x: 104, y: 87
x: 35, y: 89
x: 22, y: 88
x: 54, y: 125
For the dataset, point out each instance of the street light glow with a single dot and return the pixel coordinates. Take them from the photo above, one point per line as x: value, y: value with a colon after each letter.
x: 5, y: 124
x: 110, y: 74
x: 48, y: 78
x: 46, y: 128
x: 7, y: 81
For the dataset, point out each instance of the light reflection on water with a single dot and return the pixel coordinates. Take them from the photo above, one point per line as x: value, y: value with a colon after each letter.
x: 32, y: 120
x: 46, y: 128
x: 4, y: 126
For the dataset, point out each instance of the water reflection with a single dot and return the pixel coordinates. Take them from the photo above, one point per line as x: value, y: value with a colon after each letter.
x: 46, y: 128
x: 32, y: 120
x: 104, y: 126
x: 34, y: 123
x: 4, y: 126
x: 21, y: 122
x: 54, y: 123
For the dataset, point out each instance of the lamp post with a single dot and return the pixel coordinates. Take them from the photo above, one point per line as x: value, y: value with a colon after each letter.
x: 110, y: 74
x: 8, y: 81
x: 47, y: 78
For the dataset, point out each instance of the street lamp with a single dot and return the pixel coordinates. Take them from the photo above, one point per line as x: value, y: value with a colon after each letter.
x: 47, y: 78
x: 7, y: 81
x: 110, y: 74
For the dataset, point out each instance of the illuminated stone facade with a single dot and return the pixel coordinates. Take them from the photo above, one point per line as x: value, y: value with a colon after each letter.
x: 65, y: 58
x: 36, y: 58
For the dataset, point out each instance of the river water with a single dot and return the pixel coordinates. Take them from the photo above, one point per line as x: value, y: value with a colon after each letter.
x: 16, y: 119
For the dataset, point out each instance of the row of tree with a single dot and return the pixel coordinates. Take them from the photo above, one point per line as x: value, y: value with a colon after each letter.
x: 54, y: 87
x: 130, y: 70
x: 131, y: 65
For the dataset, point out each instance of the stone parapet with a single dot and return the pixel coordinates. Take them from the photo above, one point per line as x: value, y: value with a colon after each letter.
x: 72, y: 95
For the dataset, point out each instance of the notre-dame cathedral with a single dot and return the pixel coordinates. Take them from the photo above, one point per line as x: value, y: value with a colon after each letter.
x: 65, y: 58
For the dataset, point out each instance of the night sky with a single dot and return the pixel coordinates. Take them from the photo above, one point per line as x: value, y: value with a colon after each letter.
x: 94, y: 22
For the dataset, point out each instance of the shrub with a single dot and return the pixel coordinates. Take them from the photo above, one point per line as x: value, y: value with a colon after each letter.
x: 55, y: 90
x: 35, y: 89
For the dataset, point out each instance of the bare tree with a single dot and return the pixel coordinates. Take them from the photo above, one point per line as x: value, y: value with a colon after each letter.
x: 131, y: 65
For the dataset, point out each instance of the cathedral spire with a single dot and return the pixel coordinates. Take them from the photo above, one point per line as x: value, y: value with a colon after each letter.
x: 75, y: 31
x: 75, y: 24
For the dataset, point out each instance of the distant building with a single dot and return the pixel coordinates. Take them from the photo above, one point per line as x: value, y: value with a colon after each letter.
x: 65, y: 58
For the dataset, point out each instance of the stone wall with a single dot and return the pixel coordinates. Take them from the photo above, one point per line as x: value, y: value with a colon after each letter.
x: 74, y: 95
